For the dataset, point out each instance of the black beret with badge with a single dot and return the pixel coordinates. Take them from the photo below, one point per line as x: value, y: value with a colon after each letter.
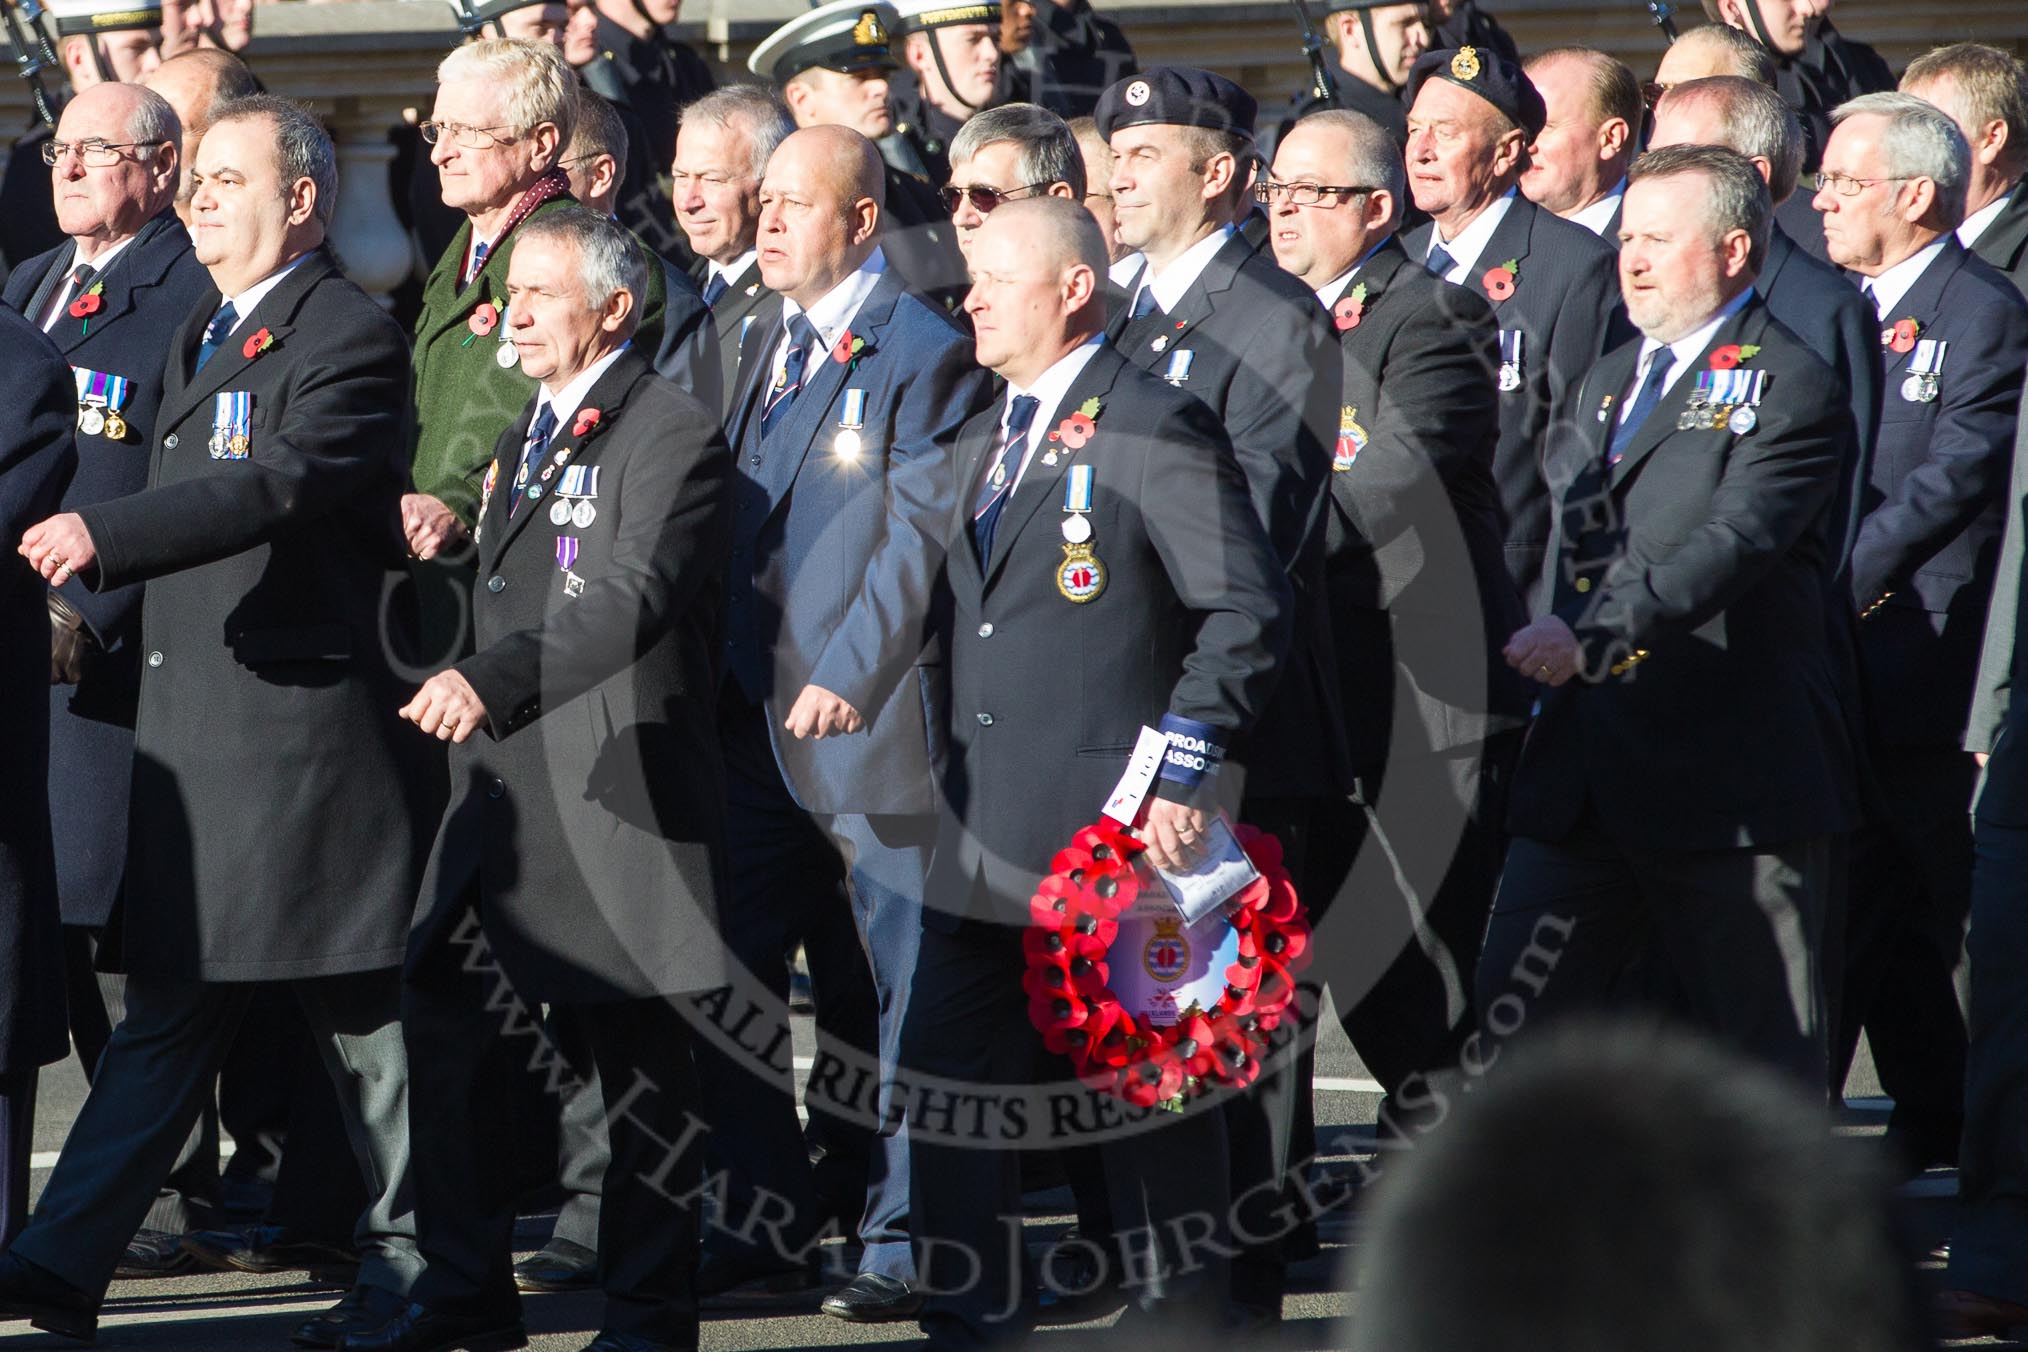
x: 1497, y: 81
x: 1176, y: 96
x: 845, y: 36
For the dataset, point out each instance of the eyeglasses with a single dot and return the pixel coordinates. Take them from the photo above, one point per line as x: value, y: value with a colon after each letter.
x: 1652, y: 91
x: 1845, y: 186
x: 983, y: 200
x: 94, y: 153
x: 471, y: 138
x: 1304, y: 194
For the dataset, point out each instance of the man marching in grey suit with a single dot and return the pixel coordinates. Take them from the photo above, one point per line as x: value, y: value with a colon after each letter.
x: 275, y: 825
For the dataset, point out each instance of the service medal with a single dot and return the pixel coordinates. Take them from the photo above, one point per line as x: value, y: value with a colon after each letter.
x: 559, y: 513
x: 1743, y: 420
x: 583, y: 514
x: 508, y: 357
x: 1510, y: 378
x: 91, y: 421
x: 116, y: 427
x: 846, y: 444
x: 239, y: 447
x: 1076, y: 528
x: 1080, y: 577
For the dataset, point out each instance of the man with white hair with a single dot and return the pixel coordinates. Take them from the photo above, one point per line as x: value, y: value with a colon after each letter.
x: 1685, y: 607
x: 1954, y: 341
x: 1985, y: 90
x: 586, y: 868
x: 505, y: 110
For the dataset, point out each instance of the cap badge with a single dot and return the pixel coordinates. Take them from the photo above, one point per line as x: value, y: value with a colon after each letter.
x: 1465, y: 65
x: 868, y: 31
x: 1137, y: 93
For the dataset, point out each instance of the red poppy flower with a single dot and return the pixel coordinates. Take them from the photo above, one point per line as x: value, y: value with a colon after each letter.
x: 259, y: 343
x: 1499, y: 283
x: 587, y: 419
x: 484, y: 319
x: 1904, y: 335
x: 1156, y: 1080
x: 1347, y: 313
x: 1076, y: 430
x: 85, y: 306
x: 1725, y: 358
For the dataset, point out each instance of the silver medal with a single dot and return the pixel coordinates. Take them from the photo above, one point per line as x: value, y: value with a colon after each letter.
x: 846, y: 444
x: 1510, y: 377
x: 1743, y: 420
x: 559, y: 513
x: 508, y: 357
x: 1686, y: 422
x: 583, y: 514
x: 1076, y: 528
x: 91, y: 421
x: 1161, y: 342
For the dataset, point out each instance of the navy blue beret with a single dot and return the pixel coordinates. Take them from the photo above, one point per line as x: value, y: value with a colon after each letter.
x: 1497, y: 81
x: 1176, y: 96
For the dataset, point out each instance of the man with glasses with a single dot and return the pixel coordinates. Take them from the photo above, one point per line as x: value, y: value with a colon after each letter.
x: 1220, y: 321
x: 504, y: 113
x: 1471, y: 118
x: 1953, y: 345
x: 1005, y: 154
x: 1420, y: 602
x: 111, y: 298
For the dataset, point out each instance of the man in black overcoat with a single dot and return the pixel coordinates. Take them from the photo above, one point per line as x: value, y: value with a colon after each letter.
x: 275, y: 827
x: 1680, y: 787
x: 1180, y: 622
x: 581, y: 857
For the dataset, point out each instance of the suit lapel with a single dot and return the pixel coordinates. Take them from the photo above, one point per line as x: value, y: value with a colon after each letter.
x: 797, y: 430
x: 45, y: 291
x: 139, y: 264
x: 1510, y: 241
x: 1661, y: 421
x: 231, y: 359
x: 608, y: 395
x: 1172, y: 330
x: 1042, y: 482
x: 2001, y: 244
x: 973, y: 445
x: 1924, y: 300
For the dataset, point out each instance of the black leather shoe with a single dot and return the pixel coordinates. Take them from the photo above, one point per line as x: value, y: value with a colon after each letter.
x: 418, y: 1328
x: 871, y: 1298
x: 267, y: 1248
x: 46, y: 1300
x: 560, y: 1265
x: 627, y: 1342
x: 732, y: 1278
x: 364, y: 1309
x: 154, y: 1253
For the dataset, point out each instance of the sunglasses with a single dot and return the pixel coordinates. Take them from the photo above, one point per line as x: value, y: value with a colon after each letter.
x: 983, y: 200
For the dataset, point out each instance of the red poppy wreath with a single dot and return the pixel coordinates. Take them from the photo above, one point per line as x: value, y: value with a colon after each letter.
x: 1076, y: 919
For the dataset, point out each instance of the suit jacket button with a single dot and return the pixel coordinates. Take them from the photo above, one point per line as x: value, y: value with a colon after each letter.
x: 986, y: 629
x: 155, y: 659
x: 985, y: 720
x: 169, y: 442
x: 496, y: 583
x: 1584, y: 584
x: 753, y: 460
x: 496, y: 788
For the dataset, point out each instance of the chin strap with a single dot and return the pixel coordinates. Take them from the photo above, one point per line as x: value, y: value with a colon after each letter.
x: 937, y: 55
x: 1373, y: 52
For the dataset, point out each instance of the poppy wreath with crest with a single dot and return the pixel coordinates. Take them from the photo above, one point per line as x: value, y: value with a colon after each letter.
x: 1074, y: 918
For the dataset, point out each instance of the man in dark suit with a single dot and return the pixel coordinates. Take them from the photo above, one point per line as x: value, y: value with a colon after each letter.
x: 269, y: 538
x: 721, y: 151
x: 1222, y: 322
x: 1420, y: 604
x: 682, y: 345
x: 1954, y: 343
x: 656, y: 73
x: 1376, y: 43
x: 1985, y: 90
x: 142, y: 281
x: 1984, y: 1295
x: 1811, y: 298
x: 1471, y: 117
x: 841, y: 427
x: 1591, y: 131
x: 1049, y: 689
x: 37, y: 457
x: 1687, y: 599
x: 581, y: 872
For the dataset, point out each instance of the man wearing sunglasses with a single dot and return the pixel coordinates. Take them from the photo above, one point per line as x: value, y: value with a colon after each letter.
x: 1005, y: 154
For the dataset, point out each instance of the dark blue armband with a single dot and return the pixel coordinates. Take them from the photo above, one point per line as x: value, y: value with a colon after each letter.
x: 1193, y: 751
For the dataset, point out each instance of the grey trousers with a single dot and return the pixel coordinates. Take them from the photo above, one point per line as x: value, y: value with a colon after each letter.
x: 157, y: 1075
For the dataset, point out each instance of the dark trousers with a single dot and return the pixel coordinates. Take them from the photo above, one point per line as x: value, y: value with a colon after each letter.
x: 17, y: 1147
x: 154, y: 1080
x: 463, y: 1102
x: 583, y: 1152
x: 848, y: 889
x: 1586, y: 924
x: 1903, y: 964
x: 1989, y: 1248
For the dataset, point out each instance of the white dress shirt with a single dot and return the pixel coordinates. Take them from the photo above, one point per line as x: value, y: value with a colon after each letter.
x: 1473, y: 239
x: 64, y: 294
x: 1683, y: 351
x: 735, y: 270
x: 1049, y: 390
x: 243, y: 304
x: 1172, y: 282
x: 1979, y: 221
x: 565, y: 402
x: 1890, y: 286
x: 831, y: 316
x: 1599, y: 214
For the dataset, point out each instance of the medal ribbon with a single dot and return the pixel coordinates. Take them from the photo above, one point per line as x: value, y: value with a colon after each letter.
x: 1928, y: 357
x: 1510, y: 348
x: 566, y: 551
x: 855, y: 410
x: 1077, y: 489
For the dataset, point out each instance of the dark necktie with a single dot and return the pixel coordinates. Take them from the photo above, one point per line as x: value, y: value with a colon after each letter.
x: 998, y: 484
x: 1144, y: 304
x: 713, y: 289
x: 540, y: 430
x: 80, y: 278
x: 216, y: 332
x: 803, y: 340
x: 479, y: 252
x: 1440, y: 262
x: 1659, y: 362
